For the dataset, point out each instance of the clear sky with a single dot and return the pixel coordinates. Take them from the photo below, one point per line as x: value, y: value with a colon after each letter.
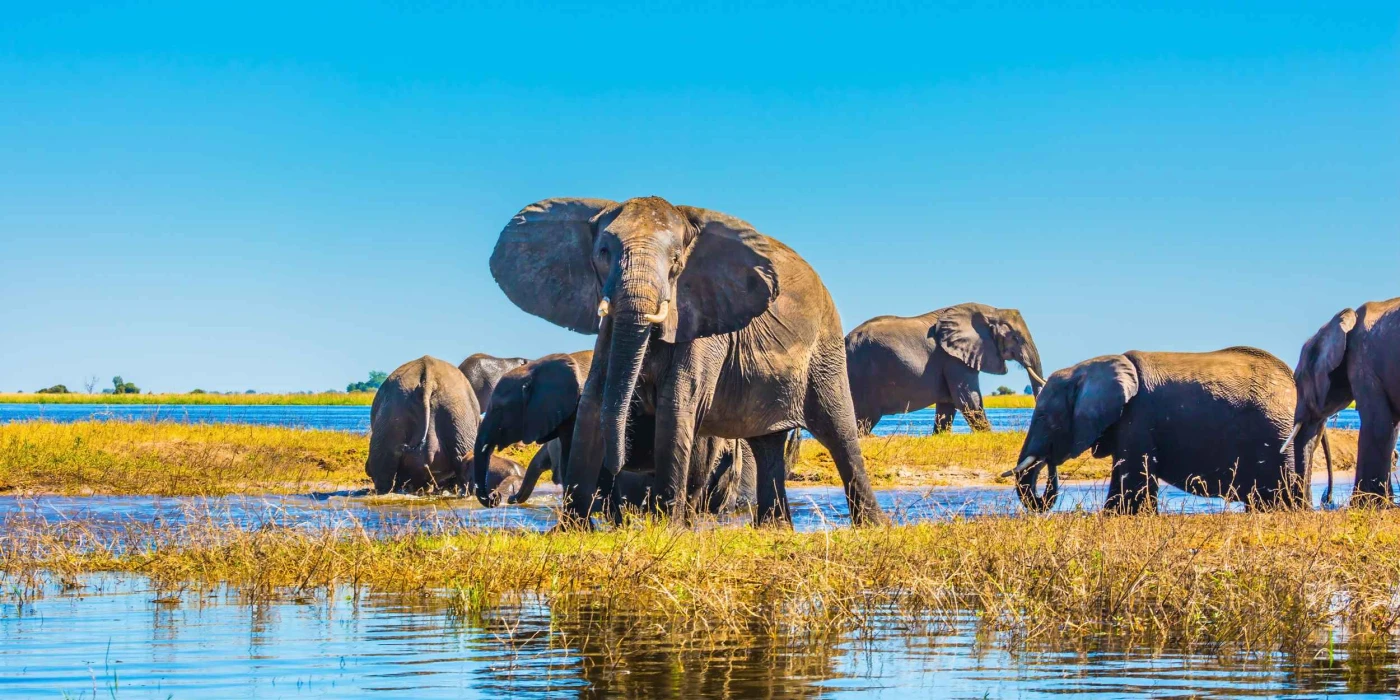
x: 283, y: 196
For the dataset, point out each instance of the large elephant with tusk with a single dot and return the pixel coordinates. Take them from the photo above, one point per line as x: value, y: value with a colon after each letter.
x: 1354, y: 357
x: 898, y: 364
x: 1209, y: 423
x: 721, y: 330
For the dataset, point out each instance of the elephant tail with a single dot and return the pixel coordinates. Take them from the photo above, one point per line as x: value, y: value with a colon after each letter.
x: 427, y: 388
x: 1327, y: 452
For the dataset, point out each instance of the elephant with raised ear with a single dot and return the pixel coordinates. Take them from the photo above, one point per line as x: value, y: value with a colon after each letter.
x: 1209, y: 423
x: 537, y: 403
x: 730, y: 332
x: 423, y: 423
x: 483, y: 371
x: 899, y: 364
x: 1354, y: 357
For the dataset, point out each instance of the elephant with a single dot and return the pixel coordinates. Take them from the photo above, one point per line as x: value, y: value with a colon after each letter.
x: 537, y: 403
x: 1354, y: 357
x: 718, y: 329
x: 483, y: 371
x: 1209, y: 423
x: 898, y: 364
x: 423, y: 423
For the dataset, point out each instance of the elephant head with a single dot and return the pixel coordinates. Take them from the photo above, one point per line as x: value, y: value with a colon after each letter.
x: 1075, y: 411
x: 984, y: 338
x: 630, y: 271
x: 483, y: 371
x: 529, y: 404
x: 1322, y: 387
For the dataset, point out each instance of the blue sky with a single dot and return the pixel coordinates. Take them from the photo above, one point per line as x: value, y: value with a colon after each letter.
x: 283, y: 198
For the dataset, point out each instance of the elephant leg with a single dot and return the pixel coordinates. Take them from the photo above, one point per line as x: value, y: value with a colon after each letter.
x: 770, y: 462
x: 689, y: 382
x: 538, y: 464
x: 1374, y: 457
x: 584, y: 450
x: 832, y: 421
x: 944, y: 411
x: 1132, y: 487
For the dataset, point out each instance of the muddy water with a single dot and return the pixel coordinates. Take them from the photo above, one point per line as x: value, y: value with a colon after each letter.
x: 115, y: 636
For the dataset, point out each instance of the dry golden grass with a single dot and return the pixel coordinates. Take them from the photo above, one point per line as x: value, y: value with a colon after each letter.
x: 1231, y: 582
x: 172, y: 459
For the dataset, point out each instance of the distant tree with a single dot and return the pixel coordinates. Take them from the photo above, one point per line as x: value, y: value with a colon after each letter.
x: 198, y: 391
x: 123, y: 387
x: 1003, y: 391
x: 376, y: 379
x: 251, y: 391
x: 55, y: 389
x: 90, y: 384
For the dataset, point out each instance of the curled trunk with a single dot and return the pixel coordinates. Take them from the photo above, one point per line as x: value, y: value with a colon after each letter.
x: 1026, y: 488
x: 486, y: 444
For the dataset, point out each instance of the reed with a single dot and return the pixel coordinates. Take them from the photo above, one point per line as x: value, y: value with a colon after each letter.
x: 1229, y: 582
x: 321, y: 399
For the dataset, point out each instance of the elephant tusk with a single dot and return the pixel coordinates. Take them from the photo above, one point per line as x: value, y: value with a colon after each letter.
x: 660, y: 315
x: 1289, y: 441
x: 604, y: 307
x: 1035, y: 377
x: 1026, y: 465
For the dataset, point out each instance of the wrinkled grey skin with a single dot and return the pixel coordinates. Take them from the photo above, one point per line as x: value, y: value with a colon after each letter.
x: 483, y: 371
x: 717, y: 329
x: 1209, y: 423
x: 1354, y: 357
x: 537, y: 403
x: 423, y: 423
x: 898, y: 364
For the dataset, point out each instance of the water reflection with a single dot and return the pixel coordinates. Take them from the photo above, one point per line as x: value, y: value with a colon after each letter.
x: 117, y: 637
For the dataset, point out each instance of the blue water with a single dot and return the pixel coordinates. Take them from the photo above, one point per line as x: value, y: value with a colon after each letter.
x: 118, y: 636
x: 355, y: 419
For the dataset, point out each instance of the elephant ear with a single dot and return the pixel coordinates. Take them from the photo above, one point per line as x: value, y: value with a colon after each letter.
x: 543, y: 262
x: 1331, y: 342
x: 965, y: 333
x: 553, y: 396
x: 1329, y: 350
x: 728, y: 280
x: 1105, y: 386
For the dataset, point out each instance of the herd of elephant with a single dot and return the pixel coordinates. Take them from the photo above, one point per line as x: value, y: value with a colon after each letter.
x: 716, y: 345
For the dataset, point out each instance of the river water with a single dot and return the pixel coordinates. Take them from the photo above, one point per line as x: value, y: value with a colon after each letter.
x: 356, y: 418
x: 116, y: 636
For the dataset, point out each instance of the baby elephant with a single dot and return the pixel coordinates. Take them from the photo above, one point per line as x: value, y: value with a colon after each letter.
x: 537, y: 403
x: 1209, y: 423
x: 423, y: 424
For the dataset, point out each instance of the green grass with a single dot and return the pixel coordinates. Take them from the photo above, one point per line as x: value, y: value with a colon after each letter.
x: 324, y: 399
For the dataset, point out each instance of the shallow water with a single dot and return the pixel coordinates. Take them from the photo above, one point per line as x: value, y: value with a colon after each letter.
x: 813, y: 508
x: 117, y: 637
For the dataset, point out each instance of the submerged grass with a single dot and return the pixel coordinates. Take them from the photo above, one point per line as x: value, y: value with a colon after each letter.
x: 182, y: 459
x: 1228, y: 582
x: 330, y: 398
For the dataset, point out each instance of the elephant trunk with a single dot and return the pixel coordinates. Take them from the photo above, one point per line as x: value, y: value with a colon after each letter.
x: 1034, y: 369
x: 1026, y: 486
x: 486, y: 443
x: 629, y: 346
x: 1303, y: 443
